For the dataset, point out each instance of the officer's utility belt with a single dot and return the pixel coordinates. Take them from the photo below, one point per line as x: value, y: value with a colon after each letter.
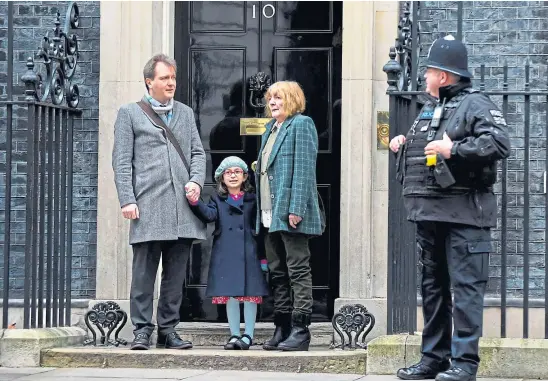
x: 443, y: 175
x: 460, y: 190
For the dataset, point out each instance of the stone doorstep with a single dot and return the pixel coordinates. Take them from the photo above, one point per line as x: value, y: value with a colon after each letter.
x: 22, y: 347
x: 216, y: 334
x: 256, y: 359
x: 500, y: 358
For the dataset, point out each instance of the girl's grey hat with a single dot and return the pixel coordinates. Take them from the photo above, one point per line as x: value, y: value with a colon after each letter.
x: 229, y: 162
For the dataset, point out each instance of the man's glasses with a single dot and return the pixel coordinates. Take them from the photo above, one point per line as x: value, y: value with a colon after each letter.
x: 237, y: 172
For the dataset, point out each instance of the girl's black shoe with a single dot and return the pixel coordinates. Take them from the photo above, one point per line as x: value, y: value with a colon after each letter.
x: 230, y: 344
x: 240, y: 344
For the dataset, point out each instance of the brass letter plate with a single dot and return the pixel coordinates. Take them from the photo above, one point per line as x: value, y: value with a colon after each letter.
x: 253, y: 126
x: 383, y: 130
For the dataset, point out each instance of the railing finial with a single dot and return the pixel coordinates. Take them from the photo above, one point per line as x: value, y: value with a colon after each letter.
x: 31, y: 79
x: 393, y: 70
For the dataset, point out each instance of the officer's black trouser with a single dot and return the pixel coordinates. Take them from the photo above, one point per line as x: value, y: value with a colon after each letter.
x: 453, y: 255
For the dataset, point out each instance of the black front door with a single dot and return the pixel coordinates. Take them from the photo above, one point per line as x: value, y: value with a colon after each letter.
x: 218, y: 47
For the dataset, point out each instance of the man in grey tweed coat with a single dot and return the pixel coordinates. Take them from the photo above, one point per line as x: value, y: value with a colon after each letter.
x: 152, y: 181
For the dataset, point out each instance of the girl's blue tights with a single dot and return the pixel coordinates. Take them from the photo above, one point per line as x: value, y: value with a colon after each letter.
x: 233, y: 315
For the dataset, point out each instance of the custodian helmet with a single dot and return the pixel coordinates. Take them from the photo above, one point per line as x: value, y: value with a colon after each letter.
x: 449, y: 54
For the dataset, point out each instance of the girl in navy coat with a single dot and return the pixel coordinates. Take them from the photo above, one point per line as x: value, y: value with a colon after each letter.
x: 235, y: 269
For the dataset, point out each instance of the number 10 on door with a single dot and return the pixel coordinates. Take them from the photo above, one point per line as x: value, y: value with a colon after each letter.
x: 268, y: 11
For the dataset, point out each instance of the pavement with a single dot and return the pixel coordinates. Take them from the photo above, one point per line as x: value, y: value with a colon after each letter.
x: 118, y: 374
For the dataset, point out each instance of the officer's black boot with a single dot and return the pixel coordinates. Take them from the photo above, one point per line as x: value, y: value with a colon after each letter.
x: 282, y: 331
x: 299, y: 339
x: 455, y: 374
x: 422, y: 371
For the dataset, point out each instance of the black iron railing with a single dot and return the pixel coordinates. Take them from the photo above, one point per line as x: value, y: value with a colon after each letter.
x: 48, y: 213
x: 39, y: 149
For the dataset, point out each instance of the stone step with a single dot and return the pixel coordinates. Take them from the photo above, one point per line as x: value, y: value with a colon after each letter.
x: 216, y: 334
x: 316, y: 360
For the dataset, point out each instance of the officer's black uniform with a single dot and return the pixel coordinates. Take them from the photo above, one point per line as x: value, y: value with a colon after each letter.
x: 453, y: 222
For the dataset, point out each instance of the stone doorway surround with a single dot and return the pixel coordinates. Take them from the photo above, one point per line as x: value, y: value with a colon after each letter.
x: 131, y: 32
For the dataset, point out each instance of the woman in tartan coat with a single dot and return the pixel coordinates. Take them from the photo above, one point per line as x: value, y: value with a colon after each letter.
x: 288, y: 209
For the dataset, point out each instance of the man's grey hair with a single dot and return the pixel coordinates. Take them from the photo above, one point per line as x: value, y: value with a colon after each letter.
x: 150, y: 66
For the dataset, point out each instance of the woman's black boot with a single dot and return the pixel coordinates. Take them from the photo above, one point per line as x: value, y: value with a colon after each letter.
x: 282, y: 331
x: 299, y: 338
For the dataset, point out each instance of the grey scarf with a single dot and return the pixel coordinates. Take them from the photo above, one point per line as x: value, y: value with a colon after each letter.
x: 164, y: 111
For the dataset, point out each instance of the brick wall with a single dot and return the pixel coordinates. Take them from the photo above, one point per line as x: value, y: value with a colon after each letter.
x: 31, y: 21
x: 496, y: 32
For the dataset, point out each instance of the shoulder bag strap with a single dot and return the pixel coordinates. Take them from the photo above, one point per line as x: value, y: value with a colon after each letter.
x: 154, y: 118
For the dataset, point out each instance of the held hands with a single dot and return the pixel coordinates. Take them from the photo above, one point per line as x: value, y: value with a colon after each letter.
x: 192, y: 192
x: 131, y: 212
x: 396, y: 142
x: 294, y: 220
x: 443, y: 147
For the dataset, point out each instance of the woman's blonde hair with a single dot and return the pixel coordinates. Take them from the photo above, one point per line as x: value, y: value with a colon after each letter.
x: 292, y: 95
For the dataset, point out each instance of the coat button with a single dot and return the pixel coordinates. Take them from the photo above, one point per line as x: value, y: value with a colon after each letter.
x: 271, y: 196
x: 241, y: 227
x: 230, y: 228
x: 270, y: 177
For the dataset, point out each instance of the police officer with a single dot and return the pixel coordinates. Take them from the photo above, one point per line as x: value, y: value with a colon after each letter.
x: 447, y: 163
